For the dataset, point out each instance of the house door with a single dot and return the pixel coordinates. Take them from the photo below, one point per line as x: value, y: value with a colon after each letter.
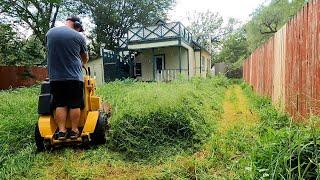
x: 160, y: 63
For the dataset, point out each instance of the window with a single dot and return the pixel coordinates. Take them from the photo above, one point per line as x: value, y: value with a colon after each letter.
x: 138, y: 69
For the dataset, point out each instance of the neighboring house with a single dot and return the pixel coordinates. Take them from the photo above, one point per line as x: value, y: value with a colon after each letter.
x: 220, y: 68
x: 97, y: 70
x: 165, y: 52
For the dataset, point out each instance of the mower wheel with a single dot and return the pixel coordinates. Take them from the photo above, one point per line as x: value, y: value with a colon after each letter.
x: 99, y: 134
x: 41, y: 143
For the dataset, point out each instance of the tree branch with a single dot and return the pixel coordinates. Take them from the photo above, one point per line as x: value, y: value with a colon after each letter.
x: 53, y: 22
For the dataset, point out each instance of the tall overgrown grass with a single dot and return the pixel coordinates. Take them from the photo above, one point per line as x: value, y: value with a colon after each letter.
x: 150, y: 123
x: 168, y: 125
x: 161, y: 119
x: 18, y: 115
x: 283, y: 149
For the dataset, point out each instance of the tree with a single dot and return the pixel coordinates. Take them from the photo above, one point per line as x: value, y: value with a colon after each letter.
x: 234, y: 48
x: 209, y: 30
x: 40, y: 16
x: 17, y: 51
x: 9, y: 44
x: 268, y: 19
x: 113, y: 18
x: 206, y: 27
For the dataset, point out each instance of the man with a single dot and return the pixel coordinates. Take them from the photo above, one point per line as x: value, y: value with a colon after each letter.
x: 66, y: 52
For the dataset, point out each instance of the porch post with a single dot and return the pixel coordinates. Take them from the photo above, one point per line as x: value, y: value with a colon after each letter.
x: 153, y: 65
x: 188, y: 64
x: 180, y: 64
x: 200, y: 63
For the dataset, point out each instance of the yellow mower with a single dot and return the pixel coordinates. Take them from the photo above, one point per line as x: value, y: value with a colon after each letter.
x: 93, y: 121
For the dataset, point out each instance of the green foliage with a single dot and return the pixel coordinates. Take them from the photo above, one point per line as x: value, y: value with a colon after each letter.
x: 9, y: 44
x: 265, y: 21
x: 37, y: 15
x: 268, y: 19
x: 32, y: 52
x: 209, y: 30
x: 234, y: 48
x: 205, y: 26
x: 159, y: 120
x: 234, y: 51
x: 113, y: 18
x: 16, y: 51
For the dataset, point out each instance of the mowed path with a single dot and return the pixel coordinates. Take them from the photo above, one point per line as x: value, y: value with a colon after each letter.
x: 236, y: 111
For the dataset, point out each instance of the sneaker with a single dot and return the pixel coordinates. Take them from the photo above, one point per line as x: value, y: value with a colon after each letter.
x: 61, y: 135
x: 73, y: 134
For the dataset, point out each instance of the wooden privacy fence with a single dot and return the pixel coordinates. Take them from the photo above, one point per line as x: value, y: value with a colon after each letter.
x: 287, y: 67
x: 12, y: 76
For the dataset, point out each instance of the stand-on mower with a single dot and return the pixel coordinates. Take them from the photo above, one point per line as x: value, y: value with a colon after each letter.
x: 93, y: 121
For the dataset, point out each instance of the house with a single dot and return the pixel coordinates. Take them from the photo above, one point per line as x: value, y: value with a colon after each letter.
x: 164, y: 52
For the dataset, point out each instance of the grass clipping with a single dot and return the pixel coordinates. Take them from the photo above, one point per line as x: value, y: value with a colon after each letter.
x: 158, y: 119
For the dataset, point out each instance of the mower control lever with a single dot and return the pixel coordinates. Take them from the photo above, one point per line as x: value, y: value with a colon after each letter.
x: 87, y: 69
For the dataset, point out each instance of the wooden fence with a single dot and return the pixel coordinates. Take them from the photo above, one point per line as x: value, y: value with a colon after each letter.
x: 287, y: 67
x: 12, y: 76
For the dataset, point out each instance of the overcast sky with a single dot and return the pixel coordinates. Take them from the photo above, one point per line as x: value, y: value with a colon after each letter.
x: 239, y: 9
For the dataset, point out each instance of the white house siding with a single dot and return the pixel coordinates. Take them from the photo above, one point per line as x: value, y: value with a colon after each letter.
x: 207, y: 63
x: 153, y: 45
x: 97, y: 72
x: 204, y: 63
x: 171, y: 61
x: 191, y: 54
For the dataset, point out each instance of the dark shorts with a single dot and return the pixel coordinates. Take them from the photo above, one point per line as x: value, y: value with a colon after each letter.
x: 67, y: 94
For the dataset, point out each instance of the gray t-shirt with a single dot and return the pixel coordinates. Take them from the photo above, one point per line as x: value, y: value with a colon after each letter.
x: 64, y: 46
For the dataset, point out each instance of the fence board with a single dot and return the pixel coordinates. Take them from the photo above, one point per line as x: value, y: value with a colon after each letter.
x: 12, y: 77
x: 286, y: 68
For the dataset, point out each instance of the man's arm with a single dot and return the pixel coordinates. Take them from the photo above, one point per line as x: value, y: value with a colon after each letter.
x: 84, y: 57
x: 84, y: 51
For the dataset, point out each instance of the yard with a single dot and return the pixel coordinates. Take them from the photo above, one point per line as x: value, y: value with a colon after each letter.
x: 199, y: 129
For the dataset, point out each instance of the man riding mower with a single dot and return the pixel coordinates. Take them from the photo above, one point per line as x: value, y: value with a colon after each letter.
x: 93, y: 120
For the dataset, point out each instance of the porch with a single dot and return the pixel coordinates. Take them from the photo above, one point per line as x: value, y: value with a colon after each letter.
x: 167, y: 75
x: 162, y: 64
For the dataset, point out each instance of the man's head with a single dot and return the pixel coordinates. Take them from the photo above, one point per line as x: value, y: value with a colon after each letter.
x: 75, y: 23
